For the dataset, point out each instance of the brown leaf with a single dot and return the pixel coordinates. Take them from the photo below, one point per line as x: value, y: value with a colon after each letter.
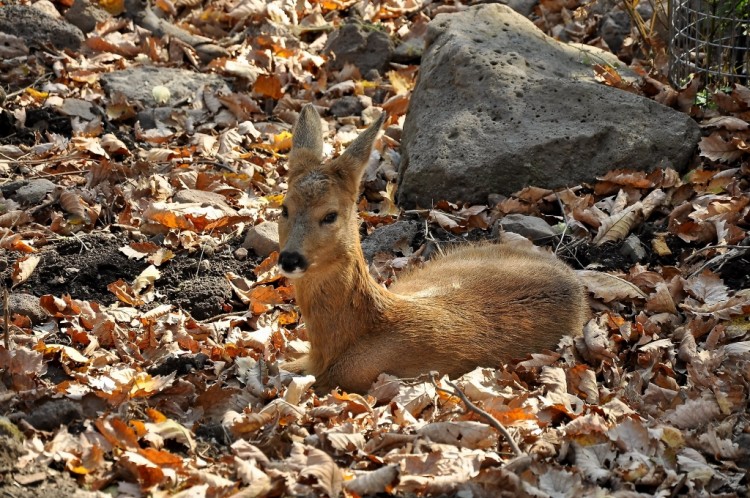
x: 324, y: 469
x: 373, y: 482
x: 464, y: 434
x: 609, y: 287
x: 618, y: 226
x: 726, y: 122
x: 23, y: 268
x: 716, y: 149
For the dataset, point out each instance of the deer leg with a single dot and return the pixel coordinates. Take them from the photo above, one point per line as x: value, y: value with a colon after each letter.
x: 298, y: 366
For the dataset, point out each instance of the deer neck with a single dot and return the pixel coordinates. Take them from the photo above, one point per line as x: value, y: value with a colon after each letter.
x: 339, y: 306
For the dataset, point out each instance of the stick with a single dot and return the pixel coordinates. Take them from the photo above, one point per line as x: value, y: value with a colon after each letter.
x: 708, y: 248
x: 565, y: 217
x: 6, y: 316
x: 492, y: 421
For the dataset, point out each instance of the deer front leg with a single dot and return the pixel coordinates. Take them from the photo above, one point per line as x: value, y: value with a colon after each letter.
x: 300, y: 366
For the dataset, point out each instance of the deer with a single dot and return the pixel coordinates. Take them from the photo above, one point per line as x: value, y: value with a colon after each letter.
x: 476, y: 305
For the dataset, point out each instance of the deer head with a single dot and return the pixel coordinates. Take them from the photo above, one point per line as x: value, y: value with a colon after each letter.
x: 318, y: 228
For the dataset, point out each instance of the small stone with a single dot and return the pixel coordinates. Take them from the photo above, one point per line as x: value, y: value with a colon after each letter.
x: 390, y: 238
x: 530, y: 227
x: 495, y: 199
x: 53, y: 413
x: 34, y: 191
x: 27, y: 305
x: 240, y: 254
x: 263, y: 238
x: 613, y: 28
x: 46, y: 7
x: 208, y: 250
x: 205, y: 198
x: 409, y: 51
x: 347, y: 106
x: 633, y: 249
x: 368, y: 49
x: 84, y: 15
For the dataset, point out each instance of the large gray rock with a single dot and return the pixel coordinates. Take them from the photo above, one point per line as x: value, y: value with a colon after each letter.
x: 499, y: 106
x: 37, y: 28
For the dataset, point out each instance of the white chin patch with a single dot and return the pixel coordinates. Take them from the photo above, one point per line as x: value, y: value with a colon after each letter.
x: 297, y: 273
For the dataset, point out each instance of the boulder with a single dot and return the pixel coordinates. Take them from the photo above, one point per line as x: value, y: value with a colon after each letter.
x: 38, y: 28
x: 500, y: 106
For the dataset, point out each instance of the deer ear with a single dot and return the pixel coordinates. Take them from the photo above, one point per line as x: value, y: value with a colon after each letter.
x: 358, y: 152
x: 350, y: 165
x: 307, y: 136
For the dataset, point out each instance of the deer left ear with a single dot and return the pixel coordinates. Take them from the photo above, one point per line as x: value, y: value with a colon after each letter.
x: 352, y: 162
x: 307, y: 140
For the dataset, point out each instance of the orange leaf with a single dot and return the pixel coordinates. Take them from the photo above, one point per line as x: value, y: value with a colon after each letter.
x: 161, y: 457
x: 268, y: 85
x: 268, y: 270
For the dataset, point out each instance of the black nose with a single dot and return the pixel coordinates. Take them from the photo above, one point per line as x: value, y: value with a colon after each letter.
x: 291, y: 261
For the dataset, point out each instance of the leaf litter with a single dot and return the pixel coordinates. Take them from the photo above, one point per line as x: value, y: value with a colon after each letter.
x: 120, y: 391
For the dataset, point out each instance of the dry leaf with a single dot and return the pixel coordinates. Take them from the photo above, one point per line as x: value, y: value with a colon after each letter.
x: 716, y: 149
x: 609, y: 287
x: 23, y: 268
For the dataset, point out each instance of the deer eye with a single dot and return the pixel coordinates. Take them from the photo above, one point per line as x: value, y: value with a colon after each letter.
x: 329, y: 218
x: 284, y: 211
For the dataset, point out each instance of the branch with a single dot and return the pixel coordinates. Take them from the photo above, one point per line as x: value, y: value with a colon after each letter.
x: 492, y: 421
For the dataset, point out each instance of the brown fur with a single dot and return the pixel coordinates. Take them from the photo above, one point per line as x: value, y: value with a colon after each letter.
x: 475, y: 306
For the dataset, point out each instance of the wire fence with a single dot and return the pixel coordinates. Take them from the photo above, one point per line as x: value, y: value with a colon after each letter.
x: 710, y: 38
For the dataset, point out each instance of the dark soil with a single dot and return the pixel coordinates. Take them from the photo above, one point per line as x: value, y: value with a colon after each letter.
x: 83, y: 267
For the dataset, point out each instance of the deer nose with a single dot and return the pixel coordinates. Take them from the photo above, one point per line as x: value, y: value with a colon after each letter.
x: 292, y: 261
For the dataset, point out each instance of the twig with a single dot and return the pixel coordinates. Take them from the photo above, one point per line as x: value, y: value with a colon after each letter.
x: 19, y: 92
x: 721, y: 259
x: 708, y: 248
x: 492, y: 421
x: 565, y: 218
x: 6, y: 316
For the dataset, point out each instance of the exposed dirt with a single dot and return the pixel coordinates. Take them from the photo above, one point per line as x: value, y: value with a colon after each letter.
x: 83, y: 266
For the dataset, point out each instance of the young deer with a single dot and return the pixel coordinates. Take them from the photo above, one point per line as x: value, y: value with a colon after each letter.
x: 476, y: 306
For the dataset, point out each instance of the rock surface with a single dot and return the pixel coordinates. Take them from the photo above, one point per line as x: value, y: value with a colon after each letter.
x: 182, y: 84
x: 530, y: 227
x: 499, y: 106
x: 263, y: 238
x: 366, y: 48
x: 27, y: 305
x: 34, y: 191
x: 204, y: 198
x: 389, y: 238
x: 85, y: 15
x: 38, y: 28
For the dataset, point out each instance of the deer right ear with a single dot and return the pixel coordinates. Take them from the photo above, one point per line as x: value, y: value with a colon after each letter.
x: 307, y: 137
